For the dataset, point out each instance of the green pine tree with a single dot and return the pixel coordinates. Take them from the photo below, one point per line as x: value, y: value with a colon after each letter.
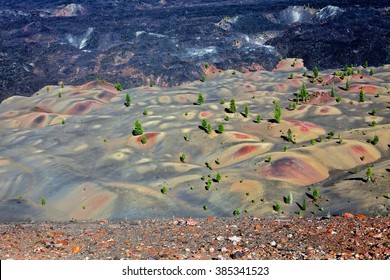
x: 200, y: 99
x: 138, y: 130
x: 277, y: 112
x: 127, y: 100
x: 233, y: 107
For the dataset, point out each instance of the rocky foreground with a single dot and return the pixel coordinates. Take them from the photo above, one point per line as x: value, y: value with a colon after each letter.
x: 348, y: 237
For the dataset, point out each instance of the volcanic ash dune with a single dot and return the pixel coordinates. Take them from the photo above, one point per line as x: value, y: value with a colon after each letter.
x: 73, y: 152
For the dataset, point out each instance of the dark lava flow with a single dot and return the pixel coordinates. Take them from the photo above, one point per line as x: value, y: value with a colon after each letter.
x: 167, y: 42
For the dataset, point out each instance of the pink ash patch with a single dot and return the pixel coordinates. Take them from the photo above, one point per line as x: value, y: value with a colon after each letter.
x: 245, y: 150
x: 304, y: 126
x: 241, y: 136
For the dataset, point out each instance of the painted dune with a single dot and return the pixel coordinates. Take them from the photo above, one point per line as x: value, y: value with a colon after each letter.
x: 70, y: 152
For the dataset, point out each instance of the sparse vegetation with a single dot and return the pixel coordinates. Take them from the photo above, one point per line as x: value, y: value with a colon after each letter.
x: 206, y: 126
x: 373, y: 141
x: 233, y: 107
x: 347, y: 85
x: 208, y: 165
x: 118, y: 87
x: 218, y: 177
x: 200, y: 99
x: 288, y: 199
x: 127, y: 100
x: 315, y: 71
x: 246, y: 111
x: 290, y: 136
x: 144, y: 140
x: 315, y: 194
x: 369, y: 174
x: 43, y: 200
x: 208, y: 184
x: 362, y: 97
x: 220, y: 129
x: 277, y: 112
x: 138, y: 130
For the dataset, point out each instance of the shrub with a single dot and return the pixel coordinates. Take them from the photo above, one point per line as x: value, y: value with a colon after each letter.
x: 277, y: 112
x: 218, y: 177
x: 226, y: 118
x: 200, y: 99
x: 145, y: 113
x: 63, y: 121
x: 208, y: 165
x: 183, y: 157
x: 372, y: 72
x: 232, y: 107
x: 373, y: 112
x: 144, y: 140
x: 290, y: 136
x: 304, y: 204
x: 208, y: 184
x: 315, y: 71
x: 138, y: 130
x: 246, y: 111
x: 43, y: 200
x: 206, y: 126
x: 61, y: 84
x: 127, y: 100
x: 276, y: 207
x: 222, y: 101
x: 220, y: 128
x: 373, y: 123
x: 339, y: 99
x: 217, y: 161
x: 164, y: 189
x: 347, y: 85
x: 205, y: 207
x: 258, y: 119
x: 316, y: 194
x: 362, y: 97
x: 369, y: 174
x: 59, y: 94
x: 332, y: 91
x: 288, y: 199
x: 340, y: 139
x: 203, y: 78
x: 237, y: 212
x: 285, y: 148
x: 312, y: 141
x: 118, y: 87
x: 186, y: 137
x: 365, y: 65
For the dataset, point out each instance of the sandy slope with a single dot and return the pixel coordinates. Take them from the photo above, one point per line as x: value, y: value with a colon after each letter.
x: 74, y: 146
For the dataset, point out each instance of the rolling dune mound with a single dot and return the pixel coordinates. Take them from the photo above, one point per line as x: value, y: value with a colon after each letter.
x: 75, y: 152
